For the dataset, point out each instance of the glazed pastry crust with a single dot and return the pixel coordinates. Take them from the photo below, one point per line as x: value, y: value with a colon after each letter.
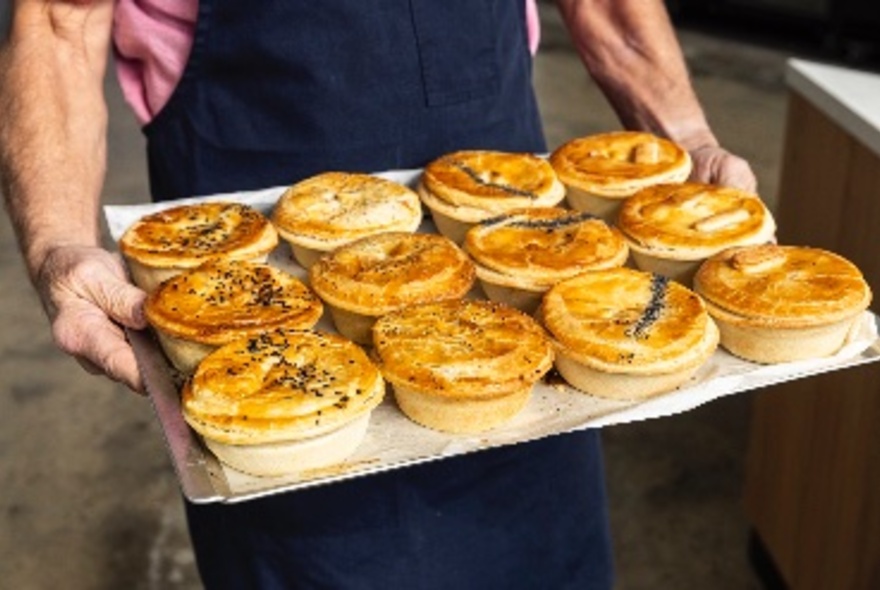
x: 222, y: 301
x: 693, y: 220
x: 490, y: 182
x: 540, y: 246
x: 628, y: 321
x: 782, y: 286
x: 333, y: 208
x: 188, y: 235
x: 282, y: 385
x: 620, y: 162
x: 380, y: 273
x: 462, y: 349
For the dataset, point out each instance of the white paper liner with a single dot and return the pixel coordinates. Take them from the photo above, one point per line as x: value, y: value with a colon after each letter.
x: 393, y: 441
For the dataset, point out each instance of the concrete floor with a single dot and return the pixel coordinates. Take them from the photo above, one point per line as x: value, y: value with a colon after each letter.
x: 89, y: 499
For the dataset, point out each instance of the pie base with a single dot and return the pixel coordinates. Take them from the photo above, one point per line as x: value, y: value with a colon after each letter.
x: 682, y: 271
x: 185, y: 355
x: 458, y: 415
x: 604, y: 207
x: 773, y: 345
x: 619, y: 386
x: 148, y: 278
x: 305, y: 256
x: 524, y: 299
x: 454, y: 229
x: 285, y: 458
x: 357, y: 327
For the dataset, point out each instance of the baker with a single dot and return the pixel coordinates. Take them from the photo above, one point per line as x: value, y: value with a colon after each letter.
x: 236, y: 95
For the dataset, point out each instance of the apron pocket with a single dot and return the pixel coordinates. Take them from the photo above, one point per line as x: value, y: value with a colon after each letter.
x: 458, y: 57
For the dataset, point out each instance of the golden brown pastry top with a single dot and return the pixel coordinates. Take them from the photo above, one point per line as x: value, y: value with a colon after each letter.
x: 222, y: 301
x: 380, y: 273
x: 619, y: 162
x: 333, y: 208
x: 283, y: 385
x: 187, y: 235
x: 783, y: 286
x: 462, y: 349
x: 694, y: 220
x: 545, y: 244
x: 624, y: 320
x: 492, y: 181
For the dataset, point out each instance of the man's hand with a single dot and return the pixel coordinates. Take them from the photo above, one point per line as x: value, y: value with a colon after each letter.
x: 715, y: 165
x: 89, y: 301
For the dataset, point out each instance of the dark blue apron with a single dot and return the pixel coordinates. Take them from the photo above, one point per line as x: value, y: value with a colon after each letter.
x: 277, y: 91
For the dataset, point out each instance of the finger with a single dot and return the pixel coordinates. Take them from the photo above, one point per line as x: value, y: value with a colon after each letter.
x: 124, y: 303
x: 736, y: 173
x: 716, y: 166
x: 700, y: 173
x: 84, y: 332
x: 89, y: 366
x: 103, y: 281
x: 702, y: 170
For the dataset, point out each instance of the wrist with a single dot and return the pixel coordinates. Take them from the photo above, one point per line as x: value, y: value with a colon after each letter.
x: 38, y: 251
x: 692, y: 136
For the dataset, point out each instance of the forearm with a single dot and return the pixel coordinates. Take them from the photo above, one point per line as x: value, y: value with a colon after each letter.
x: 631, y: 51
x: 53, y: 132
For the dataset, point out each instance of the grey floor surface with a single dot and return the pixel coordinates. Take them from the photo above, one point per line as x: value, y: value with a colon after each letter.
x: 88, y: 499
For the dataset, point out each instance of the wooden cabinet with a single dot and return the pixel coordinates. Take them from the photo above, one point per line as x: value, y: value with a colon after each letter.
x: 812, y: 487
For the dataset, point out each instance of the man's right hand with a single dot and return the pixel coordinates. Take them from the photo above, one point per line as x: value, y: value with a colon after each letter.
x: 89, y: 301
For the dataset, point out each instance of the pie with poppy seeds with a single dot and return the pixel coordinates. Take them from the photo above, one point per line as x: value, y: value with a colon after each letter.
x: 163, y: 244
x: 283, y: 401
x: 203, y: 308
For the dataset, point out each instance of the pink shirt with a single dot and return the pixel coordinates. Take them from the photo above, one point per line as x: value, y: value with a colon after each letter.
x: 153, y: 38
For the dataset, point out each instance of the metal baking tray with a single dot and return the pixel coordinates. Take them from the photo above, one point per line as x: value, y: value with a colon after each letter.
x: 394, y: 442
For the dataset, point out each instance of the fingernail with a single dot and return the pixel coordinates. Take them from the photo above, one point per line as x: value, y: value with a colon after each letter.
x: 138, y: 315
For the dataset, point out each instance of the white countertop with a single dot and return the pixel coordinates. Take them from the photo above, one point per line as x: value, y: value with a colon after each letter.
x: 850, y: 98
